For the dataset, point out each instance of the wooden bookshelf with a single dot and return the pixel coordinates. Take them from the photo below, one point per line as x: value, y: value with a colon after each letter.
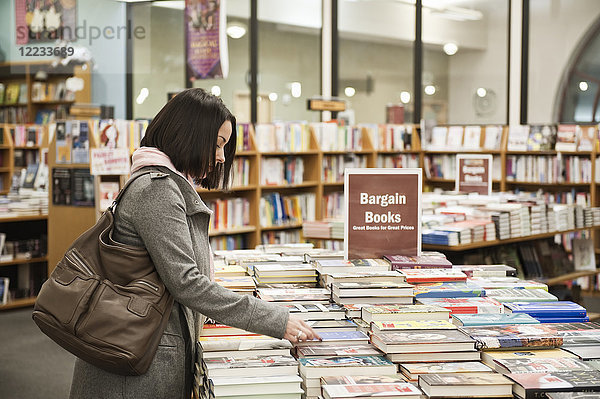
x: 485, y: 244
x: 570, y: 276
x: 24, y: 261
x: 18, y: 303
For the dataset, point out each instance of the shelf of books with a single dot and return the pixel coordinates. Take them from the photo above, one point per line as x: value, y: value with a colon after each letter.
x: 396, y: 326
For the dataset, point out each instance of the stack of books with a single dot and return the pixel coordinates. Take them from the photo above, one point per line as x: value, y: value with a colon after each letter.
x: 276, y: 273
x: 550, y: 312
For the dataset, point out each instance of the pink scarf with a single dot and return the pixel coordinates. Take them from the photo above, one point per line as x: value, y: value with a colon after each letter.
x: 151, y: 156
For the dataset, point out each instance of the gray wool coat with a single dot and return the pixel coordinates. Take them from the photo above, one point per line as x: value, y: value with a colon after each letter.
x: 162, y: 212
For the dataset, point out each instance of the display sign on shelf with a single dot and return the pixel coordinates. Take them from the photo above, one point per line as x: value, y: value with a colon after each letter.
x: 383, y: 212
x: 474, y: 173
x: 109, y: 161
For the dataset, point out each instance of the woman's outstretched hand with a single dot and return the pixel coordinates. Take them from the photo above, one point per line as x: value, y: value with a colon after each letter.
x: 298, y: 331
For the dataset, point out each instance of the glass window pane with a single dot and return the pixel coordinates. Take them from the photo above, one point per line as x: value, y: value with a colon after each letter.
x: 376, y: 58
x: 289, y: 59
x: 557, y: 31
x: 159, y: 60
x: 465, y: 61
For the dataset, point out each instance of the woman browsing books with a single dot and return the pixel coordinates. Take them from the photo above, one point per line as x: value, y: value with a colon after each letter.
x: 192, y: 140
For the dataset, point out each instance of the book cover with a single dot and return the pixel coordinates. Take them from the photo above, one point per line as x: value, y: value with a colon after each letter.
x: 530, y: 385
x: 251, y: 366
x: 250, y: 342
x: 566, y: 138
x: 336, y: 336
x: 547, y: 309
x: 416, y: 262
x: 415, y: 276
x: 519, y: 295
x: 578, y: 333
x: 467, y: 379
x: 82, y: 193
x: 563, y: 319
x: 80, y: 152
x: 107, y: 194
x: 63, y: 142
x: 422, y: 337
x: 514, y: 336
x: 413, y: 370
x: 547, y: 365
x: 344, y: 361
x: 472, y: 320
x: 466, y: 305
x: 61, y: 186
x: 400, y: 390
x: 413, y: 325
x: 298, y: 294
x: 404, y: 312
x: 365, y: 349
x: 30, y: 175
x: 448, y: 289
x: 361, y: 379
x: 584, y: 352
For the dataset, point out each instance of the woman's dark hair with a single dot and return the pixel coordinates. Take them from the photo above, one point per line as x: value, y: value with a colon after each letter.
x: 186, y: 130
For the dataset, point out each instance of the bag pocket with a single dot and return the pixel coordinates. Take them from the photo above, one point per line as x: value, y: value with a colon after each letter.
x: 66, y: 295
x: 119, y: 319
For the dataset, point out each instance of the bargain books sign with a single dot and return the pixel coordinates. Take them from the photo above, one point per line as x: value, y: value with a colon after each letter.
x: 383, y: 212
x: 474, y: 173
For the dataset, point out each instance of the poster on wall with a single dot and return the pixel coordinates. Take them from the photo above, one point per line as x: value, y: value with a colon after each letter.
x: 383, y: 212
x: 206, y: 39
x: 43, y: 21
x: 474, y: 173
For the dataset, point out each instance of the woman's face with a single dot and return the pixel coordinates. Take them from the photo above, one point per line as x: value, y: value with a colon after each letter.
x: 222, y: 138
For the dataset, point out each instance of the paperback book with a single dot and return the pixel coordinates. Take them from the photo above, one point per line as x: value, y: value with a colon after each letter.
x: 345, y: 365
x: 415, y: 276
x: 411, y: 341
x: 514, y: 336
x: 394, y: 390
x: 316, y: 311
x: 543, y: 365
x: 412, y: 325
x: 532, y: 385
x: 329, y: 337
x: 413, y: 370
x: 363, y: 349
x: 471, y: 385
x: 254, y: 366
x: 520, y: 295
x: 472, y: 320
x: 554, y: 309
x: 404, y: 313
x: 448, y: 290
x: 466, y: 305
x: 399, y: 262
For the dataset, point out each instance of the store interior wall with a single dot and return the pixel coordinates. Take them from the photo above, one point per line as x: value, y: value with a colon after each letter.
x: 108, y: 79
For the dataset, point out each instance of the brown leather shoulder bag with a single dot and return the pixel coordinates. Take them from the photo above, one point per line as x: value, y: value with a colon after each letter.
x: 104, y: 302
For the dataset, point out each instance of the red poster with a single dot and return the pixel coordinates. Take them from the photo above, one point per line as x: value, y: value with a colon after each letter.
x: 206, y: 41
x: 474, y: 173
x: 383, y: 212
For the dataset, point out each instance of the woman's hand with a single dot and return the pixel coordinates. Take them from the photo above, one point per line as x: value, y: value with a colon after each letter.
x: 297, y: 331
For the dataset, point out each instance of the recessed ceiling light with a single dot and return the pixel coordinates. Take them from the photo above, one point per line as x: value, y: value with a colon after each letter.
x: 405, y: 97
x: 481, y: 92
x: 450, y: 48
x: 236, y: 30
x: 583, y: 86
x: 430, y: 90
x: 349, y: 91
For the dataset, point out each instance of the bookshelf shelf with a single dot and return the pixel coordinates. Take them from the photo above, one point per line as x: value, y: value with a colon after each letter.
x: 235, y: 230
x: 309, y: 183
x: 484, y: 244
x: 5, y: 169
x: 22, y: 218
x: 231, y: 190
x: 394, y: 152
x: 245, y: 153
x: 283, y: 227
x: 18, y: 303
x: 27, y: 147
x: 13, y: 105
x: 280, y: 153
x: 535, y: 153
x: 564, y: 184
x: 22, y: 261
x: 570, y: 276
x: 57, y: 102
x: 343, y: 152
x: 333, y: 184
x: 459, y: 151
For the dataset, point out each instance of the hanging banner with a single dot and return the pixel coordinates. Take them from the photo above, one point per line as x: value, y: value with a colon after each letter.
x: 474, y: 173
x: 383, y: 212
x: 206, y: 39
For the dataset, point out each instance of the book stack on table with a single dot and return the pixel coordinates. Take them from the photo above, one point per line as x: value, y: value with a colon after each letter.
x: 400, y: 327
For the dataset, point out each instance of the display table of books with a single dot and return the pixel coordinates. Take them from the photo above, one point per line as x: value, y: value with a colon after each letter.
x: 398, y: 329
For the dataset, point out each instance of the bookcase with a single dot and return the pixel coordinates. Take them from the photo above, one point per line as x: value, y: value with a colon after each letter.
x: 22, y: 146
x: 31, y: 91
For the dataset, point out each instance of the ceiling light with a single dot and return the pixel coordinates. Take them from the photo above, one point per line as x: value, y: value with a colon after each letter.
x: 405, y: 97
x: 583, y: 86
x: 481, y: 92
x: 349, y: 91
x: 296, y: 89
x: 175, y: 5
x: 430, y: 90
x: 450, y: 48
x: 142, y: 96
x: 236, y: 30
x: 215, y: 90
x: 273, y: 96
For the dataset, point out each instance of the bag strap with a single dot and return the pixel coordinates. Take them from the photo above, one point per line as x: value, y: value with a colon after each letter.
x: 133, y: 177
